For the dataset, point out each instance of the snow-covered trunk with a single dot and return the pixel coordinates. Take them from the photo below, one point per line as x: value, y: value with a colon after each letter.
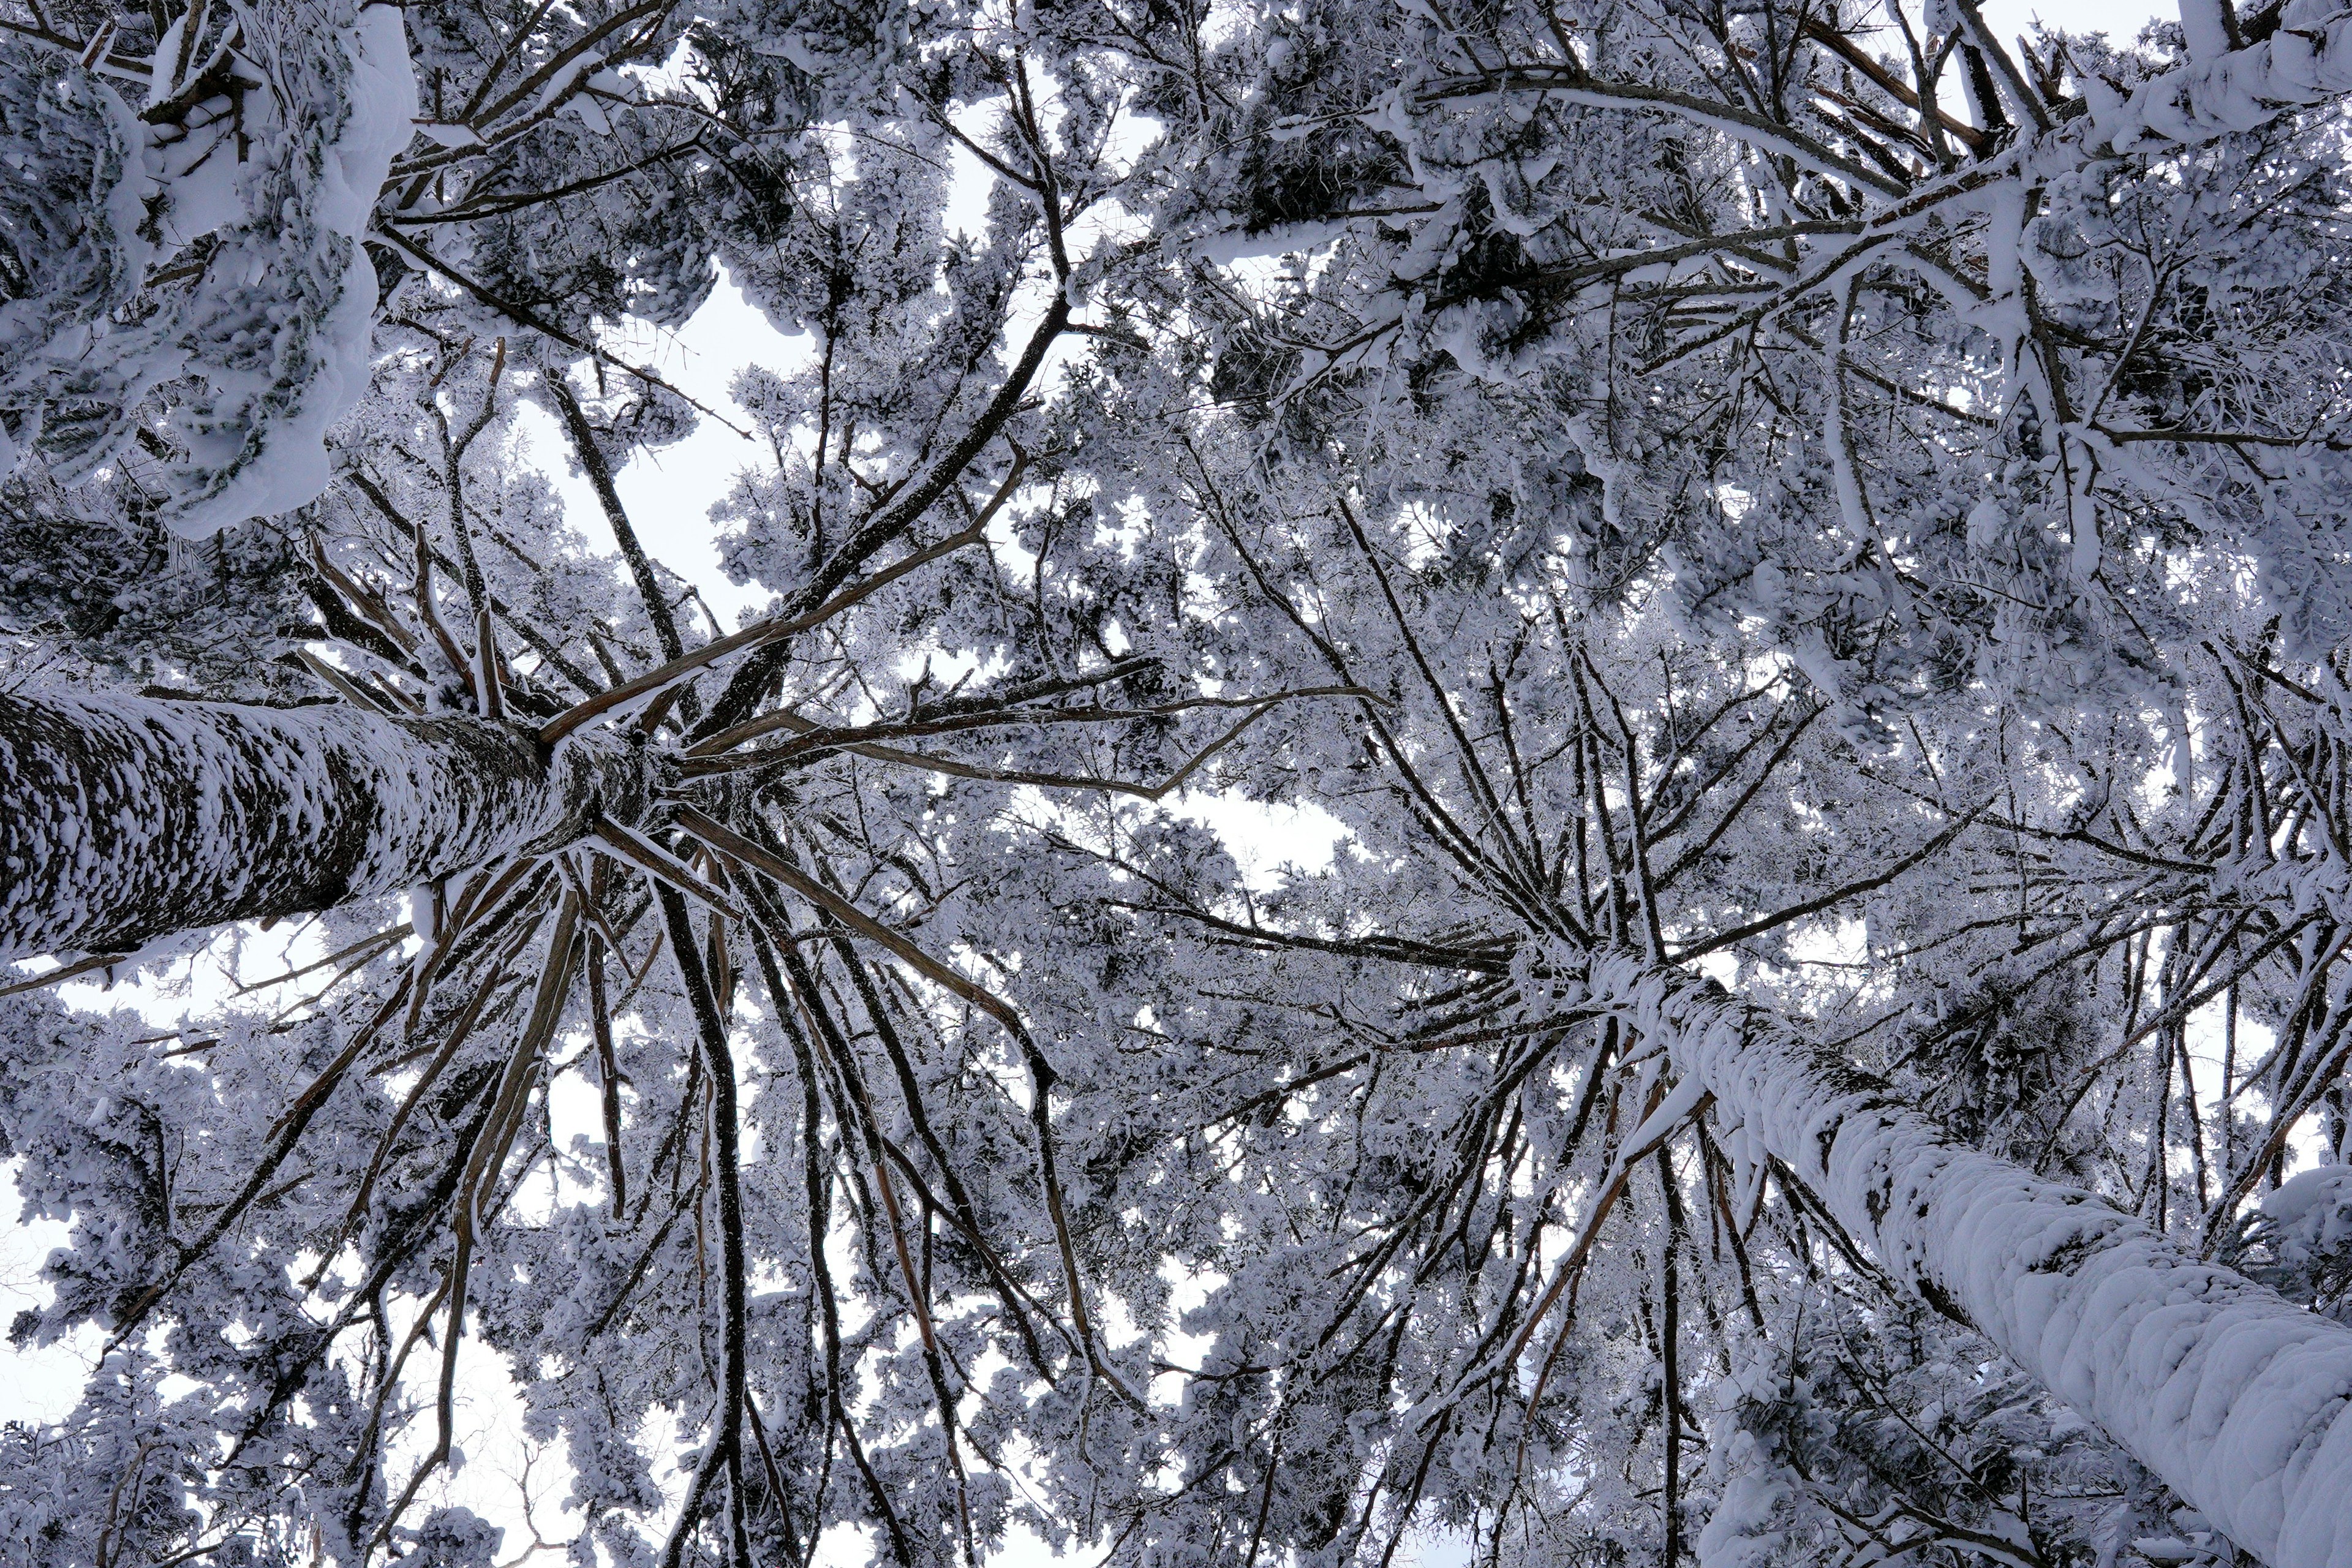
x: 123, y: 820
x: 2242, y: 1402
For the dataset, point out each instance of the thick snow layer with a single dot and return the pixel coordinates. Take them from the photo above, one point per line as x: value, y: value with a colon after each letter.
x: 288, y: 467
x: 1741, y: 1529
x: 1234, y: 244
x: 2311, y: 1214
x: 2242, y: 1402
x: 267, y: 344
x: 2306, y: 61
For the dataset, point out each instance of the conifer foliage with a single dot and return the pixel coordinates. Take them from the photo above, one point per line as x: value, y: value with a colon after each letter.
x: 1797, y: 547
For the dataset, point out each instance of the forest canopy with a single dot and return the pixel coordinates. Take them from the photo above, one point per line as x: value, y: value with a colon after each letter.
x: 1801, y: 546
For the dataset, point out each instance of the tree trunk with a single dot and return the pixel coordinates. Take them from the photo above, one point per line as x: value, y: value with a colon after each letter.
x: 123, y: 820
x: 2242, y: 1402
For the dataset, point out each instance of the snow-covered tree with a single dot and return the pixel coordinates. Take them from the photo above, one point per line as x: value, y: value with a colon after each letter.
x: 1797, y: 546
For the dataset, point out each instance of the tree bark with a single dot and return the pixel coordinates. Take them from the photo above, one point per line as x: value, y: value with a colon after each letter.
x: 124, y: 819
x: 2240, y: 1401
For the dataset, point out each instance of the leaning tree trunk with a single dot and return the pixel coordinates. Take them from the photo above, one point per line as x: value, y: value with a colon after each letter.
x: 2240, y: 1401
x: 123, y: 820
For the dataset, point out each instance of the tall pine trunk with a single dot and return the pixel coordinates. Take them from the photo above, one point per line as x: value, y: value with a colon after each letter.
x: 2239, y: 1401
x: 123, y: 820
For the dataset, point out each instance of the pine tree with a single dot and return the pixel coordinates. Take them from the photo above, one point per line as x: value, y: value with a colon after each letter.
x: 1795, y: 550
